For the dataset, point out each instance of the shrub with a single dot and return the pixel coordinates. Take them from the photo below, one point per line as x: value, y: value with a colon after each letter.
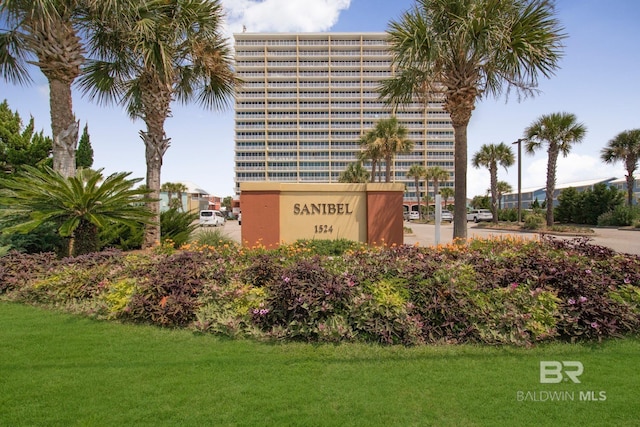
x: 383, y: 314
x: 498, y: 291
x: 263, y: 269
x: 121, y: 236
x: 510, y: 215
x: 212, y: 238
x: 326, y: 247
x: 168, y: 290
x: 18, y: 270
x: 177, y: 226
x: 305, y: 296
x: 534, y: 221
x: 227, y: 308
x: 515, y: 315
x: 621, y: 216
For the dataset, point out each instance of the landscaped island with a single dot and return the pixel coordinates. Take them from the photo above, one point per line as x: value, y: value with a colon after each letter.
x: 486, y: 291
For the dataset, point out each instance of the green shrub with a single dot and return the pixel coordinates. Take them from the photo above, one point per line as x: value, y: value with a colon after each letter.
x: 123, y: 237
x: 510, y: 215
x: 177, y: 226
x: 621, y: 216
x: 327, y: 247
x: 227, y: 308
x: 534, y: 221
x: 515, y: 315
x: 212, y: 238
x: 118, y: 295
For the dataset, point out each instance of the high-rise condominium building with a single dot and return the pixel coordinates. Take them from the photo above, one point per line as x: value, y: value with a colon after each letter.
x: 308, y: 98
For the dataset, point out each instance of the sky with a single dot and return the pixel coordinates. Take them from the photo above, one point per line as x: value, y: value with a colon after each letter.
x: 598, y: 81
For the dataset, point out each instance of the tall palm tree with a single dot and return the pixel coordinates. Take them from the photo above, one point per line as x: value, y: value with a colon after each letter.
x: 446, y: 193
x: 417, y: 172
x: 80, y: 205
x: 491, y: 156
x: 503, y: 188
x: 437, y: 175
x: 47, y: 33
x: 154, y: 54
x: 371, y: 151
x: 391, y: 137
x: 354, y: 173
x: 625, y: 147
x: 559, y: 131
x: 463, y: 50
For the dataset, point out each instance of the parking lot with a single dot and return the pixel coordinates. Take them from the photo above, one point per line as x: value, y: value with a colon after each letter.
x: 627, y: 241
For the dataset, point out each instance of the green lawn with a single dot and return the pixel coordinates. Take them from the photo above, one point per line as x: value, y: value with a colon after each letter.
x: 61, y: 370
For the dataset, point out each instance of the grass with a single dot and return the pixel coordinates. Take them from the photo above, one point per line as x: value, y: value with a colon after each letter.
x: 58, y: 369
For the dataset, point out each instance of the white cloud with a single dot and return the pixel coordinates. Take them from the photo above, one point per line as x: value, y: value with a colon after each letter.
x: 283, y: 15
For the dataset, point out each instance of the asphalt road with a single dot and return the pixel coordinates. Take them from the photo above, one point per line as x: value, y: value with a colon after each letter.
x: 627, y: 241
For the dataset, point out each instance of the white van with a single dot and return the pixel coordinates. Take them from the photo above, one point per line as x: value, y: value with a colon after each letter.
x: 214, y: 218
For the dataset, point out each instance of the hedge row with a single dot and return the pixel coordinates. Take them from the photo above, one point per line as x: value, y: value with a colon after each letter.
x: 485, y: 291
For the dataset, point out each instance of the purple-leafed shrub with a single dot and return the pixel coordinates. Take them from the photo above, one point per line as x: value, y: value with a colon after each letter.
x: 306, y: 296
x: 168, y: 290
x: 18, y: 269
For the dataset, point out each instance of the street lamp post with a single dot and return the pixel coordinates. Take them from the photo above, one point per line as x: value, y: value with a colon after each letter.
x: 519, y: 142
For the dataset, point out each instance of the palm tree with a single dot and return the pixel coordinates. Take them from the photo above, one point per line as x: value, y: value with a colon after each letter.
x: 503, y: 188
x: 460, y: 51
x: 391, y: 137
x: 354, y: 173
x: 174, y: 187
x: 559, y: 131
x: 80, y: 205
x: 416, y: 172
x: 625, y: 147
x: 446, y: 193
x: 371, y: 151
x: 155, y: 54
x: 437, y: 174
x: 46, y: 33
x: 490, y: 156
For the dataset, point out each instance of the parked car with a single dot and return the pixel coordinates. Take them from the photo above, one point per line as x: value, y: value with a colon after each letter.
x: 411, y: 215
x: 477, y: 215
x: 446, y: 216
x: 209, y: 217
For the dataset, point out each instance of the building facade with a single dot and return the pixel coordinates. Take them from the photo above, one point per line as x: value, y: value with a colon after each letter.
x: 308, y: 98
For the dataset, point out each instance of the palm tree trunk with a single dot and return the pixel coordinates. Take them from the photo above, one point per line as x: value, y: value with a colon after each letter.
x: 373, y: 170
x: 418, y: 193
x: 426, y: 197
x: 551, y: 181
x: 631, y: 167
x: 630, y: 184
x: 460, y: 180
x: 64, y: 127
x: 493, y: 171
x: 156, y: 145
x: 85, y: 238
x: 387, y: 169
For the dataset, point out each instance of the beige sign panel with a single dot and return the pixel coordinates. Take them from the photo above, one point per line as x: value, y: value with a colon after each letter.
x: 310, y: 213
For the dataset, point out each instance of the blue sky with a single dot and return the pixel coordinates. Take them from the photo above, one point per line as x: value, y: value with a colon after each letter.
x: 599, y: 81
